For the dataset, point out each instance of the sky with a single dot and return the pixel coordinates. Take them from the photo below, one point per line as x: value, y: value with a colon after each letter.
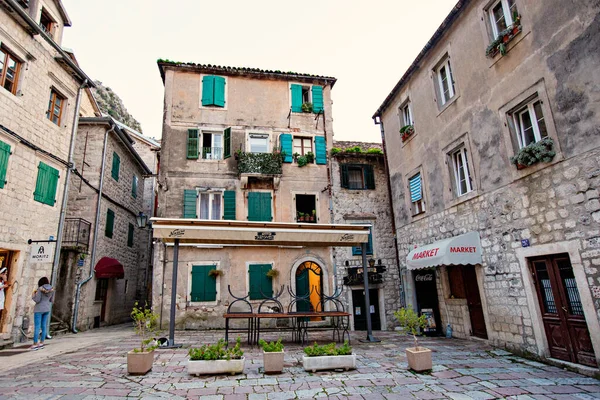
x: 366, y: 45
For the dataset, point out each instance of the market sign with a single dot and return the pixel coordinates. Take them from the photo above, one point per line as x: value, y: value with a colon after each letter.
x: 458, y: 250
x: 41, y: 253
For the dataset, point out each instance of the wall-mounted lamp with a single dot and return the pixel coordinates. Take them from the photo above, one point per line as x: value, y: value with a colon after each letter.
x: 371, y: 262
x: 142, y: 220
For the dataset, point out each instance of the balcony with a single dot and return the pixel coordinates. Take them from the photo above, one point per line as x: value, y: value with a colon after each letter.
x: 259, y: 165
x: 76, y: 234
x: 355, y: 275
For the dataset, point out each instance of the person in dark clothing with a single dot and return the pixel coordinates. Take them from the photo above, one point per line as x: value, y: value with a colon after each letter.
x: 43, y: 297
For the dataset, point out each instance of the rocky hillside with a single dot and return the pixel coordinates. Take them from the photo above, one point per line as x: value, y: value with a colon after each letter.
x: 110, y: 103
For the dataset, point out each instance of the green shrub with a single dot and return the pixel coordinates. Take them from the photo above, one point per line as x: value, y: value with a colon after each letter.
x: 541, y: 151
x: 302, y: 161
x: 217, y: 351
x: 273, y: 347
x: 328, y: 350
x: 355, y: 149
x: 411, y: 322
x: 374, y: 150
x: 335, y: 150
x: 145, y: 323
x: 307, y: 107
x: 310, y: 157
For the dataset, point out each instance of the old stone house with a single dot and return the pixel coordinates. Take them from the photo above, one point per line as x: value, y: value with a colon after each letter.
x: 39, y: 87
x: 360, y: 194
x: 493, y: 153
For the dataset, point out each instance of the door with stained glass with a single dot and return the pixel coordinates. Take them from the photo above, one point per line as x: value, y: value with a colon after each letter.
x: 562, y: 311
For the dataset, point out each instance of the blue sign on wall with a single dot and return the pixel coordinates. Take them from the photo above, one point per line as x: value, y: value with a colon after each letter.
x: 524, y: 242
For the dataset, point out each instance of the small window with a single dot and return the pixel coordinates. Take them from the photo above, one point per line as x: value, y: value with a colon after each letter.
x: 302, y: 145
x: 502, y: 14
x: 101, y: 289
x: 110, y: 223
x: 407, y: 118
x: 134, y: 187
x: 357, y: 176
x: 306, y: 99
x: 203, y: 285
x: 259, y: 143
x: 56, y: 107
x: 9, y: 70
x: 130, y: 233
x: 445, y: 80
x: 462, y: 176
x: 529, y: 123
x: 210, y: 205
x: 46, y: 184
x: 306, y: 208
x: 260, y: 206
x: 261, y: 286
x: 4, y: 155
x: 116, y: 166
x: 213, y: 91
x: 212, y: 146
x: 46, y: 22
x: 416, y: 194
x: 306, y: 94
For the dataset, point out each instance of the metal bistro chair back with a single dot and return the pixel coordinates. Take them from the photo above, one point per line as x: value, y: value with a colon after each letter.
x: 272, y: 300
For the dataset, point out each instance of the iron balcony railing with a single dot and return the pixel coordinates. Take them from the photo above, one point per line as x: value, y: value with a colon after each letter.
x: 212, y: 153
x: 76, y: 234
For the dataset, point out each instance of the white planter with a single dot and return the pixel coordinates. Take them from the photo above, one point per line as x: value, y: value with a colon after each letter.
x: 419, y: 358
x: 329, y: 362
x: 273, y: 362
x: 214, y: 367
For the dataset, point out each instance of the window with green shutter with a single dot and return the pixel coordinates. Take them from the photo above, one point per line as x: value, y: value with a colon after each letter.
x: 287, y: 147
x: 259, y: 206
x: 357, y: 176
x: 357, y: 250
x: 213, y: 91
x: 134, y: 186
x: 204, y: 286
x: 4, y: 154
x: 296, y: 91
x: 229, y: 205
x: 317, y: 99
x: 192, y: 144
x: 227, y: 143
x: 116, y: 164
x: 46, y: 184
x: 110, y: 223
x: 320, y: 150
x: 261, y: 286
x: 190, y: 198
x: 130, y: 235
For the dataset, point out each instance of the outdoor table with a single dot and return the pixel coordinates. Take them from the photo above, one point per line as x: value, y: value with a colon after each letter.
x: 240, y: 315
x: 340, y: 322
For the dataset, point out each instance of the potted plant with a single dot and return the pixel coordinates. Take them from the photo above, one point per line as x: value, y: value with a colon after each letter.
x: 406, y: 131
x: 328, y: 356
x: 215, y: 273
x: 273, y: 356
x: 302, y: 161
x: 272, y: 273
x: 300, y: 216
x: 310, y: 157
x: 213, y: 359
x: 139, y: 361
x: 296, y: 155
x: 313, y: 217
x: 541, y: 151
x: 307, y: 107
x: 419, y: 358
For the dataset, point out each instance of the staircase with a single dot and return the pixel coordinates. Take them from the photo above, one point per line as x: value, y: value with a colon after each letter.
x: 58, y: 327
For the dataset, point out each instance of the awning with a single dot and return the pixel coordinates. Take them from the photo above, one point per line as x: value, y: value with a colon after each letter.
x: 109, y: 268
x: 464, y: 249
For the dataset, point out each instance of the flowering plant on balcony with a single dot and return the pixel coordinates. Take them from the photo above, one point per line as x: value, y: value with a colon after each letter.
x: 406, y: 131
x: 541, y: 151
x: 498, y: 45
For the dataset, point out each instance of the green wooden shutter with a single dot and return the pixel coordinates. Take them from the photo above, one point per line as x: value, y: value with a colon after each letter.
x: 116, y: 164
x: 254, y: 213
x: 370, y: 242
x: 46, y: 184
x: 130, y: 235
x: 286, y: 141
x: 296, y: 98
x: 204, y: 286
x: 192, y: 144
x: 320, y: 150
x: 134, y: 187
x: 344, y: 175
x: 369, y: 176
x: 229, y: 205
x: 189, y: 203
x: 265, y: 206
x: 261, y: 286
x: 4, y: 154
x: 219, y: 94
x: 208, y: 84
x: 227, y: 143
x: 110, y: 223
x: 266, y: 283
x: 317, y: 99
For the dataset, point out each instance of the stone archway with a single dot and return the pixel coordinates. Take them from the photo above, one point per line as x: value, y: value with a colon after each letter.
x: 309, y: 264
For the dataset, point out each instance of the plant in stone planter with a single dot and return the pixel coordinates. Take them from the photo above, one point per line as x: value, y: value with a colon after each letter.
x: 307, y: 107
x: 273, y: 356
x: 419, y: 358
x: 213, y: 359
x: 215, y: 273
x: 139, y: 361
x: 272, y: 273
x: 406, y: 131
x: 310, y: 157
x: 328, y: 356
x: 541, y: 151
x: 302, y: 161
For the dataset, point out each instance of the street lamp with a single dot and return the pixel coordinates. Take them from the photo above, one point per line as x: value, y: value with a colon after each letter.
x: 142, y: 220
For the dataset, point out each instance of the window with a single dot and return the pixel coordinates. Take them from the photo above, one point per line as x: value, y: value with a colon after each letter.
x: 259, y: 143
x: 210, y: 205
x: 116, y: 165
x: 215, y: 145
x: 261, y: 286
x: 302, y: 145
x: 416, y: 194
x: 306, y: 208
x: 529, y: 123
x: 4, y: 155
x: 502, y: 14
x: 134, y: 187
x: 462, y: 176
x: 130, y: 233
x: 259, y: 206
x: 445, y: 81
x: 45, y: 187
x: 46, y: 22
x: 56, y: 106
x: 406, y: 114
x: 357, y: 250
x: 357, y: 176
x: 110, y: 223
x: 101, y: 289
x: 203, y: 285
x: 213, y: 91
x: 9, y: 70
x: 212, y: 146
x: 302, y: 94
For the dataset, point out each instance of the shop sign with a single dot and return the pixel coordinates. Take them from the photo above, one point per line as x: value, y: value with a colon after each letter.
x: 423, y: 277
x: 265, y: 236
x: 41, y: 253
x: 430, y: 318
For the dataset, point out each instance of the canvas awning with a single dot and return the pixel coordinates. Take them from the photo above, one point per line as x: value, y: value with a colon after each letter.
x: 464, y: 249
x: 109, y: 268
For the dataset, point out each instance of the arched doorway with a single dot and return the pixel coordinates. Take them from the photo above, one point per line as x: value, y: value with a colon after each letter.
x: 309, y: 279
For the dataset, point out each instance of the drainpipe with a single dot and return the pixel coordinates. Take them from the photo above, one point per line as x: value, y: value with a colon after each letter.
x: 96, y: 224
x: 63, y: 207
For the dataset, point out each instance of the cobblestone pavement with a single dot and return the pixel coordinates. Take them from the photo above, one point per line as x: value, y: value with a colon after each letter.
x: 462, y: 370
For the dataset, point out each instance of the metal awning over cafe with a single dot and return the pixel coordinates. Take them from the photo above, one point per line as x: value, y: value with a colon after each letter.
x: 458, y: 250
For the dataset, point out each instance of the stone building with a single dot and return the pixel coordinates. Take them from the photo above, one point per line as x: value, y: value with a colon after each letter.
x: 39, y: 87
x: 360, y: 194
x: 500, y: 80
x: 243, y: 145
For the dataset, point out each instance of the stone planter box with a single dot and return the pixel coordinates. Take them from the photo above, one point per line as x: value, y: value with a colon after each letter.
x: 273, y: 362
x: 329, y: 362
x: 214, y: 367
x: 419, y: 358
x: 139, y: 363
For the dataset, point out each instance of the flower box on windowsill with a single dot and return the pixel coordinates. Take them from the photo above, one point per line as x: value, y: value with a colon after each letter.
x: 541, y: 151
x: 500, y: 43
x: 406, y: 132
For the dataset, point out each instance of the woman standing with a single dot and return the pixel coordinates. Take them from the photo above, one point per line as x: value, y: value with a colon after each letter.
x: 43, y: 296
x: 3, y: 285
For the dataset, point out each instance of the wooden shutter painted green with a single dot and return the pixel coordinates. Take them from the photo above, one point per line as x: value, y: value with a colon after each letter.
x: 227, y: 143
x: 189, y: 203
x: 208, y: 84
x: 357, y: 250
x: 110, y: 223
x: 261, y: 286
x: 219, y: 95
x: 229, y: 205
x: 134, y: 187
x: 369, y: 176
x: 259, y: 206
x: 296, y: 98
x: 344, y: 175
x: 130, y: 235
x: 204, y: 286
x: 286, y: 141
x: 192, y: 144
x: 320, y: 150
x: 45, y: 187
x: 116, y: 165
x: 317, y: 99
x: 4, y: 154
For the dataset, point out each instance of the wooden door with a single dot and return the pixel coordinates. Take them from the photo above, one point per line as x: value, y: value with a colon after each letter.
x: 474, y: 302
x: 562, y: 311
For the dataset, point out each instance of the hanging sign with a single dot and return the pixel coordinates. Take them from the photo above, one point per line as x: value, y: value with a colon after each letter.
x: 430, y: 316
x: 41, y: 253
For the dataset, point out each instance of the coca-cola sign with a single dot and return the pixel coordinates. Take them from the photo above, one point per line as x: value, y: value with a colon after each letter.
x: 424, y: 278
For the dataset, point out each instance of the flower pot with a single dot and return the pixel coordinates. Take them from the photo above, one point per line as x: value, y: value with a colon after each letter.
x: 139, y: 363
x: 329, y: 362
x: 273, y: 362
x: 505, y: 38
x: 419, y: 358
x: 515, y: 30
x: 521, y: 166
x: 214, y: 367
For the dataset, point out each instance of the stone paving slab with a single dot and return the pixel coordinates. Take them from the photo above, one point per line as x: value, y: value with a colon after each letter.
x: 96, y: 369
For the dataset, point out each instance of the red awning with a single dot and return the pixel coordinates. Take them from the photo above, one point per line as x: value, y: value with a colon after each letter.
x: 109, y: 268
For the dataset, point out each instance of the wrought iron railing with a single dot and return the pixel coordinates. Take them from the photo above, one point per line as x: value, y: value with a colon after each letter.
x: 212, y: 153
x: 76, y: 234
